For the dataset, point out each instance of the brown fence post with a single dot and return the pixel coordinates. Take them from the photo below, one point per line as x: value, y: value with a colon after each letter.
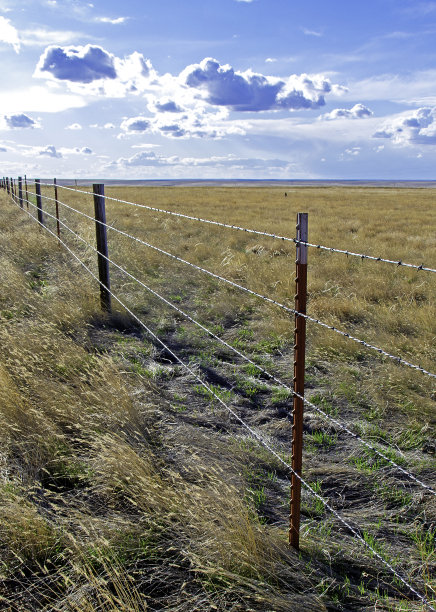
x: 39, y: 201
x: 58, y: 225
x: 299, y: 366
x: 101, y: 236
x: 7, y: 185
x: 27, y: 193
x: 20, y: 191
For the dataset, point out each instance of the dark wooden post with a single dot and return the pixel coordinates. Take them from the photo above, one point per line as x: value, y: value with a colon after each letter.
x: 39, y: 201
x: 299, y: 367
x: 101, y: 236
x: 58, y: 225
x: 7, y: 185
x: 27, y: 193
x: 20, y: 191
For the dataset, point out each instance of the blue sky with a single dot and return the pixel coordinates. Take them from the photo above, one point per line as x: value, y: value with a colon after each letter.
x: 276, y: 89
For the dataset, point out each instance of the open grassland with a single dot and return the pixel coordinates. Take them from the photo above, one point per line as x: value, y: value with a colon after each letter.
x: 125, y: 486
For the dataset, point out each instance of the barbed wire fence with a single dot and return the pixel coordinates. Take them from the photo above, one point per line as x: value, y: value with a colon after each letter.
x: 253, y: 231
x: 106, y: 293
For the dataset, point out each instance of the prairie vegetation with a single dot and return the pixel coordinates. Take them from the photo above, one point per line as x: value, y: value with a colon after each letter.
x: 126, y: 486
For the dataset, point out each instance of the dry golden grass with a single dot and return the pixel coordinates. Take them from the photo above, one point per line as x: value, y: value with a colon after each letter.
x: 388, y: 306
x: 124, y: 488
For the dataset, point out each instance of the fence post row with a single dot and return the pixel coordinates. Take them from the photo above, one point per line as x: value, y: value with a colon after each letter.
x: 299, y: 367
x: 101, y: 236
x: 39, y: 201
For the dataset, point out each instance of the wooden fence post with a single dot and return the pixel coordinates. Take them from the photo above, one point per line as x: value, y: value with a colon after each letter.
x: 27, y: 193
x: 7, y: 185
x: 299, y: 367
x: 20, y: 191
x: 101, y: 236
x: 39, y: 201
x: 58, y: 225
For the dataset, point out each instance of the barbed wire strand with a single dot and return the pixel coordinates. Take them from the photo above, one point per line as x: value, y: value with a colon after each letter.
x: 380, y: 351
x: 252, y: 231
x: 247, y: 359
x: 252, y: 431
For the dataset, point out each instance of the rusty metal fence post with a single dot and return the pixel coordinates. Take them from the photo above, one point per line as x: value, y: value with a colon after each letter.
x: 299, y: 367
x: 39, y: 201
x: 101, y: 236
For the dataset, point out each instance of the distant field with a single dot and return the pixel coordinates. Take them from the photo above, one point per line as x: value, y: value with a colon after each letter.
x: 125, y: 466
x: 387, y: 306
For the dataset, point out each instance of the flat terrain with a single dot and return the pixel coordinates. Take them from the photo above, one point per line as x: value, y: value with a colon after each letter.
x: 126, y: 485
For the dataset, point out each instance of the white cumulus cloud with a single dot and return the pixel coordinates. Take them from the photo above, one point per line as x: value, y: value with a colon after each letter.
x: 221, y: 85
x: 136, y: 125
x: 74, y: 126
x: 358, y: 111
x: 92, y: 70
x: 195, y: 123
x: 18, y: 121
x: 416, y: 127
x: 76, y: 64
x: 50, y: 151
x: 9, y: 34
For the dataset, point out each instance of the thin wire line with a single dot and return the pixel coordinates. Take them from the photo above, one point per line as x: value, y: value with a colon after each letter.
x: 257, y: 232
x: 253, y: 432
x: 395, y: 358
x: 243, y: 356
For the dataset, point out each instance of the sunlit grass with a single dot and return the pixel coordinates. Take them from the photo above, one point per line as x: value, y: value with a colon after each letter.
x: 123, y: 485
